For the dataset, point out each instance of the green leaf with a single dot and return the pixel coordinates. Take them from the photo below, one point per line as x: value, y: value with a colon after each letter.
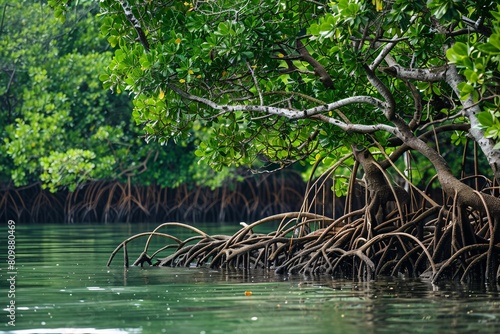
x: 488, y: 48
x: 471, y: 76
x: 494, y: 40
x: 436, y: 90
x: 465, y: 90
x: 113, y: 41
x: 314, y: 29
x: 223, y: 29
x: 492, y: 133
x: 104, y: 77
x: 486, y: 119
x: 457, y: 52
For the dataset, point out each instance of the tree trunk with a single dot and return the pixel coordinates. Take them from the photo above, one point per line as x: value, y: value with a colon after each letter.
x: 471, y: 109
x: 466, y: 196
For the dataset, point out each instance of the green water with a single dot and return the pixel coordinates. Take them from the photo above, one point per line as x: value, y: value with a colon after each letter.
x: 63, y: 286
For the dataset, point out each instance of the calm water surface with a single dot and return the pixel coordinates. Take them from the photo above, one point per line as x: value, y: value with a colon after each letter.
x: 64, y: 286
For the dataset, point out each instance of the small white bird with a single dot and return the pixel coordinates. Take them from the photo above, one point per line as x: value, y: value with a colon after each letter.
x: 245, y: 225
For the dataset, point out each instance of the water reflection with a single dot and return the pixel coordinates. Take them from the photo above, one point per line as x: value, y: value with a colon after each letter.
x: 64, y: 287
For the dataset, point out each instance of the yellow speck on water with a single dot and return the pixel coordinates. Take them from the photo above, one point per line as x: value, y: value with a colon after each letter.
x: 248, y: 293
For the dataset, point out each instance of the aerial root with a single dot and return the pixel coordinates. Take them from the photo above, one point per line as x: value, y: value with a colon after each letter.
x: 328, y: 250
x: 434, y: 243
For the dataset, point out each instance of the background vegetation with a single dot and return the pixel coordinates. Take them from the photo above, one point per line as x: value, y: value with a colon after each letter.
x: 58, y: 126
x: 269, y: 84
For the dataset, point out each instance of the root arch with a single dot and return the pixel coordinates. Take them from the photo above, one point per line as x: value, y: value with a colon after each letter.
x: 434, y: 242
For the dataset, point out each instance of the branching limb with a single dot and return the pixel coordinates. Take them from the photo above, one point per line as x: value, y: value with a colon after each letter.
x: 135, y: 23
x: 390, y: 104
x: 417, y: 115
x: 471, y: 110
x: 284, y: 112
x: 319, y: 70
x: 261, y: 99
x: 435, y: 74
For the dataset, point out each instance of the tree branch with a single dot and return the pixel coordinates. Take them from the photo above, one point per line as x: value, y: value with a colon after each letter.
x: 319, y: 70
x: 478, y: 26
x: 385, y: 51
x: 261, y: 99
x: 135, y: 23
x: 358, y: 128
x: 390, y: 105
x: 424, y: 137
x: 388, y: 48
x: 284, y: 112
x: 417, y: 115
x: 435, y: 74
x: 470, y: 109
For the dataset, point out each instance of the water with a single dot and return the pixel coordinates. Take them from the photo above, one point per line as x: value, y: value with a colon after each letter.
x: 63, y: 286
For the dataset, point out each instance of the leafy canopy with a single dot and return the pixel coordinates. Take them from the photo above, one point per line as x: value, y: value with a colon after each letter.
x: 58, y: 126
x: 284, y: 81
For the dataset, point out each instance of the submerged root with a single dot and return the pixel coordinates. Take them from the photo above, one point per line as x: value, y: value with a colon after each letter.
x: 433, y: 244
x: 425, y: 239
x: 340, y: 249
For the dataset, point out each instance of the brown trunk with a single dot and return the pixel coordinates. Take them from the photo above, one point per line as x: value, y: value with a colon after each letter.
x: 466, y: 196
x: 381, y: 192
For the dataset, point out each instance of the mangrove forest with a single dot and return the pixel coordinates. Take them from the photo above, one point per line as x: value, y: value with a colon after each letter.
x: 388, y: 110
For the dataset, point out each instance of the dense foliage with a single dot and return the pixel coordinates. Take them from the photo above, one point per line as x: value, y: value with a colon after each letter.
x: 185, y: 61
x: 278, y: 82
x: 286, y: 81
x: 57, y: 123
x: 294, y: 55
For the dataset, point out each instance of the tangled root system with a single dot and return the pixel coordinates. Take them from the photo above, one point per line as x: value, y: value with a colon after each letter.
x: 424, y: 239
